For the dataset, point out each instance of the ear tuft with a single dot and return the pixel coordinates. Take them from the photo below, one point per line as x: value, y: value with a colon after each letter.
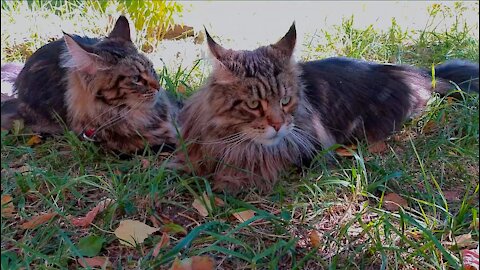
x: 80, y: 58
x: 216, y: 50
x: 121, y: 29
x: 287, y: 43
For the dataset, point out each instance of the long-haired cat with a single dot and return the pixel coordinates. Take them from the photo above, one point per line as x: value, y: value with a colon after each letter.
x: 261, y: 112
x: 102, y: 88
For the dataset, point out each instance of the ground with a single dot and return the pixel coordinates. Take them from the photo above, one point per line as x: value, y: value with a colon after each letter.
x: 331, y: 215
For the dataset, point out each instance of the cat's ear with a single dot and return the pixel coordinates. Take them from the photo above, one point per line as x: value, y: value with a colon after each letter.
x: 121, y: 29
x: 216, y: 50
x: 80, y: 58
x: 287, y: 44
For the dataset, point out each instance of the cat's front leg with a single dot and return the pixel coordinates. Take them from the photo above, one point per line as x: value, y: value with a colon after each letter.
x: 230, y: 182
x: 234, y: 181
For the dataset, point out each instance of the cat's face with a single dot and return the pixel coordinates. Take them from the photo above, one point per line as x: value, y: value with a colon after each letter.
x: 255, y: 93
x: 113, y: 68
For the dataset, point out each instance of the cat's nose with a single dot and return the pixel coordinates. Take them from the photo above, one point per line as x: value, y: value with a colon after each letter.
x: 276, y: 126
x: 154, y: 85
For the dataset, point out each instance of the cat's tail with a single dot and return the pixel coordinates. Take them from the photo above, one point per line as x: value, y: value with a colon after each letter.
x: 461, y: 73
x: 10, y: 112
x: 9, y: 73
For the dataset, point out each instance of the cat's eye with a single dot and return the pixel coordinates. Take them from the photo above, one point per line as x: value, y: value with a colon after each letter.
x: 285, y: 100
x: 136, y: 79
x: 253, y: 104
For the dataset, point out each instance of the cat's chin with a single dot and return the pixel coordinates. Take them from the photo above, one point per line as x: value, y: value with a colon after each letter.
x: 269, y: 142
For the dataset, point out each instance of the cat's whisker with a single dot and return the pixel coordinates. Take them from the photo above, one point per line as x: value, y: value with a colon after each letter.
x: 223, y: 159
x: 120, y: 116
x: 227, y: 139
x: 303, y: 142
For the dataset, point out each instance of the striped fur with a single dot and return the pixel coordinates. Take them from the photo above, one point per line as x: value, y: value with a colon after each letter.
x: 236, y: 144
x: 104, y: 85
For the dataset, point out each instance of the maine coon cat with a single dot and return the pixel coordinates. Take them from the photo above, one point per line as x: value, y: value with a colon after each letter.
x: 103, y: 89
x: 261, y: 112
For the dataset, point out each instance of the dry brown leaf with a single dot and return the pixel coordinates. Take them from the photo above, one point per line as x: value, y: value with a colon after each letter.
x: 347, y: 151
x: 94, y: 262
x: 132, y: 232
x: 244, y: 215
x: 88, y: 219
x: 452, y: 195
x: 393, y: 201
x: 415, y: 235
x: 154, y: 221
x: 194, y: 263
x: 145, y: 163
x: 34, y: 140
x: 464, y: 241
x: 37, y: 220
x: 202, y: 206
x: 181, y: 89
x: 7, y: 206
x: 378, y: 148
x: 164, y: 241
x: 429, y: 127
x: 315, y: 239
x: 450, y: 100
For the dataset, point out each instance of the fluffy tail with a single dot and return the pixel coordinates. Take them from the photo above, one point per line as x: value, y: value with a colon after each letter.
x: 9, y: 73
x: 10, y: 112
x: 462, y: 73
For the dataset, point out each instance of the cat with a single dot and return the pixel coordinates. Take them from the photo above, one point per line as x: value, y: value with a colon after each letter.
x: 261, y: 112
x: 102, y: 88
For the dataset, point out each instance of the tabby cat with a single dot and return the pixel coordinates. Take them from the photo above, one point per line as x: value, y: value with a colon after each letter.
x: 101, y: 88
x: 261, y: 112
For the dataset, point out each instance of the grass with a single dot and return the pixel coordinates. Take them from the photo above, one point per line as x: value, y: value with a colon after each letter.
x: 432, y: 163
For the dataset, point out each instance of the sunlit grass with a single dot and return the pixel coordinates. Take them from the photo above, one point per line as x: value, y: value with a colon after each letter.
x: 434, y: 156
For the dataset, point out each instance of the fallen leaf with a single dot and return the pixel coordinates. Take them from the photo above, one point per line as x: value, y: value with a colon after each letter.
x: 393, y: 202
x: 154, y: 221
x: 7, y: 206
x: 244, y: 215
x: 429, y: 127
x: 132, y: 232
x: 347, y: 151
x: 181, y: 89
x: 470, y: 259
x: 145, y: 163
x: 315, y: 238
x: 174, y: 229
x: 450, y: 100
x: 203, y: 206
x: 452, y: 195
x: 164, y: 241
x: 378, y: 148
x: 88, y: 219
x: 34, y: 140
x: 415, y: 235
x: 37, y: 220
x: 91, y: 245
x: 194, y: 263
x: 464, y: 241
x: 94, y: 262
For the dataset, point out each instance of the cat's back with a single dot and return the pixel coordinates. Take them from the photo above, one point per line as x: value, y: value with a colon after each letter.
x: 41, y: 84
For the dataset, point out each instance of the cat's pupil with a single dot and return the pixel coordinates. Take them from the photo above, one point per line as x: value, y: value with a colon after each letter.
x: 253, y: 104
x: 285, y: 100
x: 136, y: 79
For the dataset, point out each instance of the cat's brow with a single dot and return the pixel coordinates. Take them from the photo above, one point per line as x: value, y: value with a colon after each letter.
x: 273, y: 85
x: 139, y: 65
